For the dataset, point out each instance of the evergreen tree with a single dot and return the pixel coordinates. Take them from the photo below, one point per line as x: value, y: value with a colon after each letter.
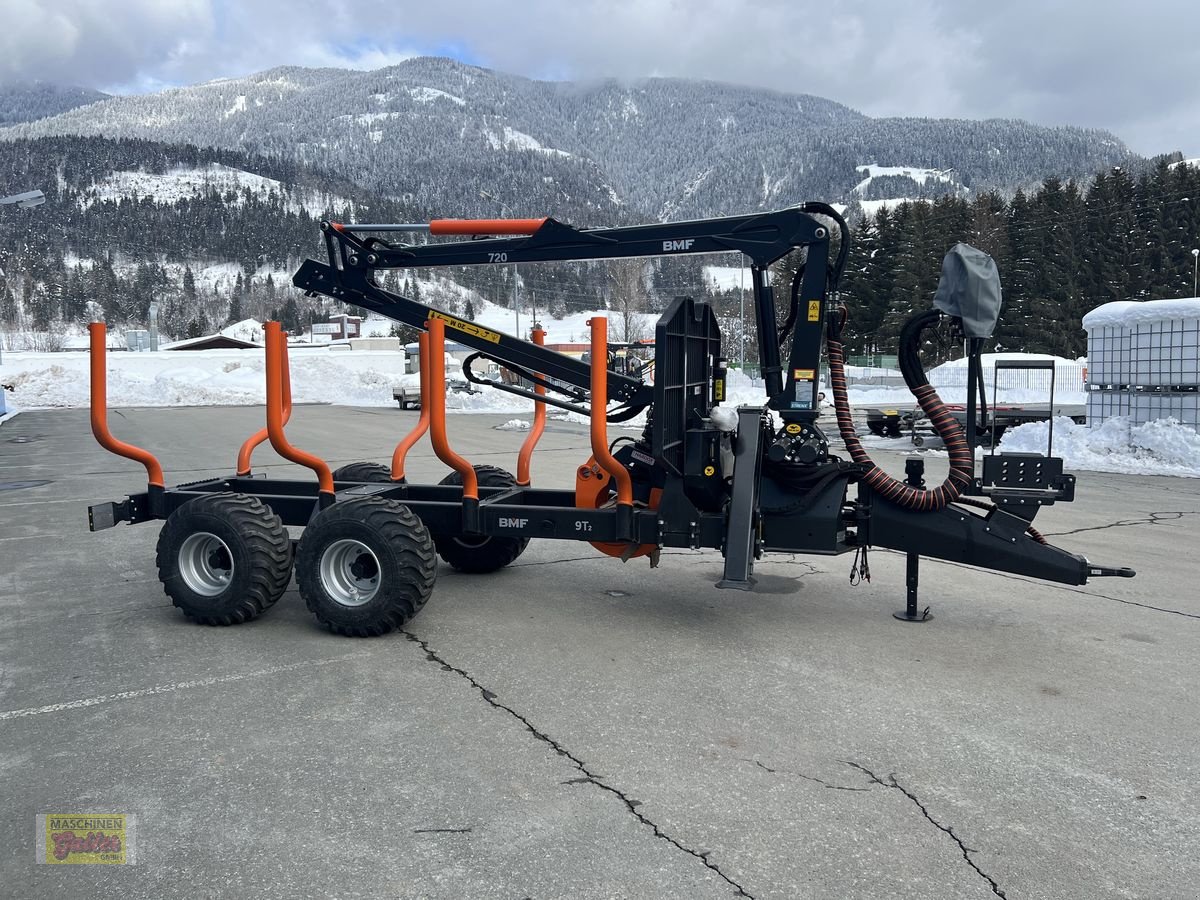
x: 290, y: 317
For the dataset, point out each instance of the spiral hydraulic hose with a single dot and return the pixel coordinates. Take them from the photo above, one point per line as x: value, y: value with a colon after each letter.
x: 962, y: 465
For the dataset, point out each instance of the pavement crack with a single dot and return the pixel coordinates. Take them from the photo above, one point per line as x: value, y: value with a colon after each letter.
x: 892, y: 784
x: 1154, y: 518
x: 630, y: 803
x: 801, y: 775
x: 811, y: 569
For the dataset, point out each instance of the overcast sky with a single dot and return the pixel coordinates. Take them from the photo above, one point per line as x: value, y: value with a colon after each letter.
x: 1133, y: 69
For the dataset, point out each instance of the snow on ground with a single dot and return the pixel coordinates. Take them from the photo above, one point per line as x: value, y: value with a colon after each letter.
x: 1161, y: 447
x: 515, y: 425
x: 201, y: 378
x: 428, y: 95
x: 366, y: 378
x: 511, y: 139
x: 184, y: 182
x: 919, y: 175
x: 871, y: 208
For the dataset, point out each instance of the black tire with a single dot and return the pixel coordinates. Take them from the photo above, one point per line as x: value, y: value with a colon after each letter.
x: 224, y: 558
x: 365, y: 545
x: 373, y: 473
x: 875, y: 427
x: 479, y: 554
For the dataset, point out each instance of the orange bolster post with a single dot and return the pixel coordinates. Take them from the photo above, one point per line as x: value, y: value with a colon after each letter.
x: 435, y: 374
x: 485, y: 226
x: 276, y: 363
x: 243, y: 462
x: 599, y: 413
x: 539, y: 424
x: 422, y: 425
x: 97, y: 334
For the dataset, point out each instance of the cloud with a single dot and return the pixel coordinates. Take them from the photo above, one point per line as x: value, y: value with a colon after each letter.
x: 88, y: 42
x: 1100, y: 66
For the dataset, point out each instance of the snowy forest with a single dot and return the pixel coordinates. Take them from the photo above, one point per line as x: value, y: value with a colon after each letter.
x: 224, y: 248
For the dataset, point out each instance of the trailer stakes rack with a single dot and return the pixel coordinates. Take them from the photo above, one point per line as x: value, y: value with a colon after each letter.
x: 366, y: 561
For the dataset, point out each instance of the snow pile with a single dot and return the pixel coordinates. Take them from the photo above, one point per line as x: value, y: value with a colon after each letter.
x: 1160, y: 447
x: 1130, y: 313
x: 201, y: 378
x: 514, y: 425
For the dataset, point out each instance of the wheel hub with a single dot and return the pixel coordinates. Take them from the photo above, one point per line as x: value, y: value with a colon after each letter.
x: 349, y: 572
x: 205, y: 564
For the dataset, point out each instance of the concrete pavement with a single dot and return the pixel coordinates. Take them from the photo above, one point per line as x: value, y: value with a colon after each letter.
x: 577, y: 727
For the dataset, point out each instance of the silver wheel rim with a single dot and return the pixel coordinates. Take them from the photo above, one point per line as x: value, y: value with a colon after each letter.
x: 205, y: 564
x: 350, y: 572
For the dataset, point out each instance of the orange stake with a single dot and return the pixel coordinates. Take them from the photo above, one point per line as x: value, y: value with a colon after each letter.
x: 422, y: 425
x: 243, y: 463
x: 97, y: 333
x: 276, y: 361
x: 485, y: 226
x: 436, y: 372
x: 599, y: 413
x: 539, y: 424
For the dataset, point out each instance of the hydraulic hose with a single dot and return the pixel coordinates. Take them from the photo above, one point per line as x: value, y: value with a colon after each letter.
x: 962, y: 466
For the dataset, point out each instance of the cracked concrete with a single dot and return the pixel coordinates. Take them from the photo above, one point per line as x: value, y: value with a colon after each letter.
x: 589, y: 777
x: 812, y: 778
x: 1043, y: 735
x: 966, y: 851
x: 1154, y: 518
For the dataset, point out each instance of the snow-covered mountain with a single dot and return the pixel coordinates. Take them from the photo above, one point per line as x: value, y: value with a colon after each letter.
x: 27, y: 101
x: 455, y: 139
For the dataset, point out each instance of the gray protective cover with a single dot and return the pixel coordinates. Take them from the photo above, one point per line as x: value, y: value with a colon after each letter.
x: 969, y: 289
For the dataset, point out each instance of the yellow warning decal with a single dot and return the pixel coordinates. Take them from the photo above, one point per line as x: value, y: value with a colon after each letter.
x: 466, y: 327
x: 709, y: 470
x: 814, y: 310
x: 719, y: 390
x: 803, y: 374
x: 793, y: 429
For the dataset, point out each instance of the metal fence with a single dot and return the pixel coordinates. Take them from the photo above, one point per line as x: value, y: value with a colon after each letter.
x: 1068, y: 377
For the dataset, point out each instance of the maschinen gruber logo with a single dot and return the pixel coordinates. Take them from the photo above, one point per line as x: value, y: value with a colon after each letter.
x: 85, y: 838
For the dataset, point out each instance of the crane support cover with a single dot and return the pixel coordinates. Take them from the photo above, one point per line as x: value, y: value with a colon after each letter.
x: 969, y: 289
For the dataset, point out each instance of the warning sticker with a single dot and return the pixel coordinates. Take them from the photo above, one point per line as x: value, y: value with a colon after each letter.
x: 467, y: 327
x: 803, y: 374
x: 814, y: 310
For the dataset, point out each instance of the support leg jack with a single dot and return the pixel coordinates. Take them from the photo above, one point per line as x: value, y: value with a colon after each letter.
x: 910, y: 613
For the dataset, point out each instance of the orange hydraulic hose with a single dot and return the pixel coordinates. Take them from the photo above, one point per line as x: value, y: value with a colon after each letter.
x: 436, y: 372
x: 539, y: 424
x: 97, y: 332
x: 599, y: 413
x: 422, y: 425
x: 485, y: 226
x: 243, y: 463
x: 276, y: 357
